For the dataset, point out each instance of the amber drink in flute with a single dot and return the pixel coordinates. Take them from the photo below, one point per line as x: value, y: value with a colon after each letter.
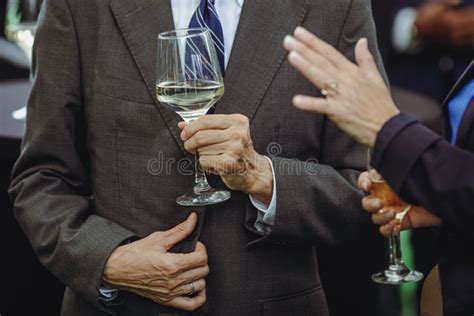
x: 397, y: 272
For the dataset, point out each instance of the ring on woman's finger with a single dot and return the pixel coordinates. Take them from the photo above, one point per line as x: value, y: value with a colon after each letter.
x: 330, y: 87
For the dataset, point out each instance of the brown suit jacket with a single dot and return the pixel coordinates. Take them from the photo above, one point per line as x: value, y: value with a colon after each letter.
x: 102, y: 160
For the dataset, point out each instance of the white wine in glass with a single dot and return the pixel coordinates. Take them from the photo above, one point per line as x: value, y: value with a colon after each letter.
x: 189, y: 82
x: 190, y: 100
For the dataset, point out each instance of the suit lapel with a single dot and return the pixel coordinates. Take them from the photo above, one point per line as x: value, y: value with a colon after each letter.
x: 140, y: 22
x: 465, y: 77
x: 257, y: 52
x: 464, y: 137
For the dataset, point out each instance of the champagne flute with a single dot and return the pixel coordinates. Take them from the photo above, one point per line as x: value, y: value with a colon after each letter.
x: 189, y: 82
x: 397, y: 272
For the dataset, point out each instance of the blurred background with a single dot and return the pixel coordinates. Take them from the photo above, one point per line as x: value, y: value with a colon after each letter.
x: 425, y: 46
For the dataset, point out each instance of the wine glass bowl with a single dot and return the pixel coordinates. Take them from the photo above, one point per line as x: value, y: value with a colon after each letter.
x: 189, y: 82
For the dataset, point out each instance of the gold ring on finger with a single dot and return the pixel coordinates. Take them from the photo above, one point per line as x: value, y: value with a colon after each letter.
x: 192, y: 288
x: 330, y: 87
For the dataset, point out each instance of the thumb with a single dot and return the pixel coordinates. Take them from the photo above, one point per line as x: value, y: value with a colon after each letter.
x: 180, y: 232
x: 363, y: 56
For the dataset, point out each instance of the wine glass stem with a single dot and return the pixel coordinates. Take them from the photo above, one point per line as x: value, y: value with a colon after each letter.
x: 395, y: 250
x: 200, y: 184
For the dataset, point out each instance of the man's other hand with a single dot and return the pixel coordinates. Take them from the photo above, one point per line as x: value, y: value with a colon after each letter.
x: 146, y: 268
x: 417, y: 217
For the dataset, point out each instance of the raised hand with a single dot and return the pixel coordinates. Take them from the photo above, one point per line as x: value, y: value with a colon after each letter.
x: 357, y: 99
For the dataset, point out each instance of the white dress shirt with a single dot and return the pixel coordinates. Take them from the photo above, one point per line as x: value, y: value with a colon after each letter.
x: 229, y: 15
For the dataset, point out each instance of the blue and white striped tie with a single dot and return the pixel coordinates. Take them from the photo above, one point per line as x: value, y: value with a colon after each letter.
x: 206, y: 17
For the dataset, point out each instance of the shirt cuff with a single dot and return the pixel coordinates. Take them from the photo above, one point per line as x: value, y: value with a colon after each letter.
x: 400, y: 143
x: 403, y: 30
x: 266, y: 213
x: 107, y: 295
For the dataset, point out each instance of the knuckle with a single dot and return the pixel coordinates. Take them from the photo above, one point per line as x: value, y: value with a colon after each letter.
x: 236, y: 134
x: 181, y: 228
x: 187, y: 146
x: 200, y: 138
x: 241, y: 118
x: 377, y: 220
x: 170, y: 268
x: 166, y: 292
x: 204, y: 259
x: 238, y: 149
x: 171, y: 284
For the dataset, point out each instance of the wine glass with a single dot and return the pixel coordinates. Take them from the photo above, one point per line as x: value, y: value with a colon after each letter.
x: 397, y: 272
x: 189, y: 81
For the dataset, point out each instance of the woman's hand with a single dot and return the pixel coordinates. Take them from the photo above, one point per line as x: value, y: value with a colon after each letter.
x: 417, y: 217
x: 357, y: 99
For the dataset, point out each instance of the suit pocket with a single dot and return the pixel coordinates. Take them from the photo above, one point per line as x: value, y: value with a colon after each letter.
x: 304, y: 303
x: 122, y: 89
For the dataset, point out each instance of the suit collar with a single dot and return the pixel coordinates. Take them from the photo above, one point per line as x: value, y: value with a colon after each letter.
x: 465, y: 77
x: 140, y: 22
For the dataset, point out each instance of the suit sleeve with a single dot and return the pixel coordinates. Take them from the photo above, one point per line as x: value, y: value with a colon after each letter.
x: 51, y: 187
x: 426, y: 170
x: 320, y: 203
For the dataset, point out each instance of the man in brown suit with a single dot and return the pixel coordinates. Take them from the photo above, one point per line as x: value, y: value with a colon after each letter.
x: 101, y: 213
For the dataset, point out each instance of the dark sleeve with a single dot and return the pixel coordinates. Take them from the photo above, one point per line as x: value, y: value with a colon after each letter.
x: 426, y: 170
x: 318, y: 202
x: 51, y: 185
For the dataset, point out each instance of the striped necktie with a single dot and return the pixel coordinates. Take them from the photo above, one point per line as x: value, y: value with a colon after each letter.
x: 206, y: 17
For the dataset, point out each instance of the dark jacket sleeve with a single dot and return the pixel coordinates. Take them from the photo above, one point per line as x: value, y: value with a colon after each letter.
x: 318, y: 202
x: 51, y: 187
x: 426, y: 170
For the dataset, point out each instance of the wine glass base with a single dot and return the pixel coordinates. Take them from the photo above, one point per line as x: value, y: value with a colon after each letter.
x: 387, y: 277
x: 208, y: 197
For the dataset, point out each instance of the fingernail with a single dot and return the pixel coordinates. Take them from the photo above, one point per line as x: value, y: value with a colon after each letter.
x: 390, y: 214
x: 190, y: 218
x: 299, y: 29
x: 365, y: 41
x: 293, y: 55
x: 365, y: 185
x: 296, y: 100
x: 299, y: 101
x: 378, y: 204
x: 183, y: 135
x: 287, y: 40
